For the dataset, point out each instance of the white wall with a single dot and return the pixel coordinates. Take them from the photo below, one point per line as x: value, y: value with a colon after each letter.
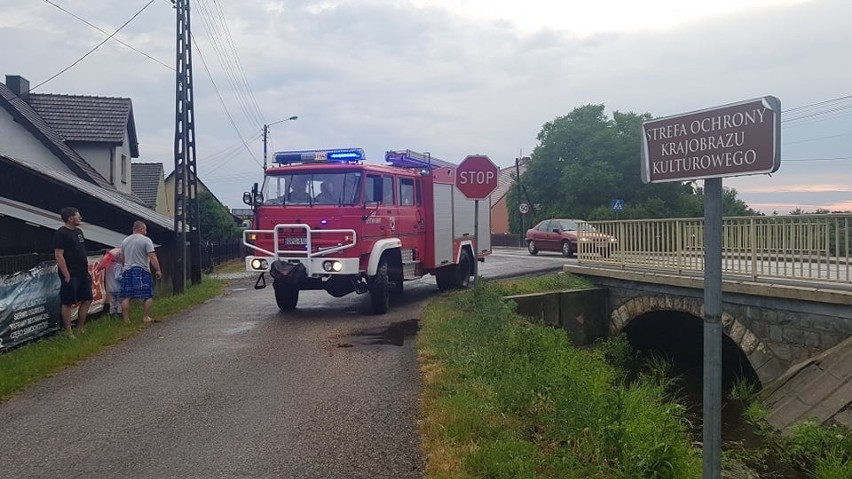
x: 17, y: 142
x: 98, y: 155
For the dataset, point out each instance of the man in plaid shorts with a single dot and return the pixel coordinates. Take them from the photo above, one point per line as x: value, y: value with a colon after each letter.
x: 140, y: 263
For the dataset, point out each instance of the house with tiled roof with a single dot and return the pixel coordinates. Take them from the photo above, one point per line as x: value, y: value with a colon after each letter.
x: 499, y: 208
x: 150, y: 187
x: 67, y: 150
x: 100, y: 129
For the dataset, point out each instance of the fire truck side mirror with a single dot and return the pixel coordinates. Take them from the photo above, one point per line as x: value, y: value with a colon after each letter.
x: 253, y: 198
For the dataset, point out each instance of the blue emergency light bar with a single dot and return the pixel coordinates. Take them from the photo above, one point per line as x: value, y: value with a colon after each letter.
x: 340, y: 155
x: 413, y: 159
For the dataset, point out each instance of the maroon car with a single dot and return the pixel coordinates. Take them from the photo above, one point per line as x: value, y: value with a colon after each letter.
x: 561, y: 235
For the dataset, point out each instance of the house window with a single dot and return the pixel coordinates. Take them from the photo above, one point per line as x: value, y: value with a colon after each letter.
x: 124, y: 168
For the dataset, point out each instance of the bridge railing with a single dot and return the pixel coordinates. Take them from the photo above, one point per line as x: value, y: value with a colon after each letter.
x: 809, y: 247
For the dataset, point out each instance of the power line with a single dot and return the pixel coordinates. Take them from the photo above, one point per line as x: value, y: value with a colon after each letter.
x: 807, y: 115
x: 839, y: 158
x: 229, y: 60
x: 96, y: 46
x: 816, y: 139
x: 831, y: 100
x: 219, y: 95
x: 105, y: 32
x: 230, y: 39
x: 222, y: 158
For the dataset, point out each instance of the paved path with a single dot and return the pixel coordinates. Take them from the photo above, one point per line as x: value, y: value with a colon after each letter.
x: 233, y: 388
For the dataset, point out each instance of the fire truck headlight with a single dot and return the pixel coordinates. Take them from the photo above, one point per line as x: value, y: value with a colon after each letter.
x: 259, y: 264
x: 252, y: 237
x: 335, y: 266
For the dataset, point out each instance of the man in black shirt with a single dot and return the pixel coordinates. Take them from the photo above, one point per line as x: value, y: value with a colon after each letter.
x: 69, y: 247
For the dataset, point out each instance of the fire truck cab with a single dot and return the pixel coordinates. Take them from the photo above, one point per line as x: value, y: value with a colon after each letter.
x: 326, y: 220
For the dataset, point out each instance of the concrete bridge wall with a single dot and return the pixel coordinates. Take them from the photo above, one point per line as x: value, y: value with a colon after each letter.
x: 776, y: 326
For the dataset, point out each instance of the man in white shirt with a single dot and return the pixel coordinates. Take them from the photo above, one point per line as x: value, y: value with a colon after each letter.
x: 140, y: 263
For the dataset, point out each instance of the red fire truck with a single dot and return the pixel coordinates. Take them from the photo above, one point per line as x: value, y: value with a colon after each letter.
x: 327, y: 220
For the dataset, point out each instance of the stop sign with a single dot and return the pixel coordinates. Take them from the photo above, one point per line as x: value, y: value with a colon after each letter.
x: 476, y: 177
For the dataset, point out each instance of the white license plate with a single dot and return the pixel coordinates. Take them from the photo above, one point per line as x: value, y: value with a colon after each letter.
x: 295, y: 241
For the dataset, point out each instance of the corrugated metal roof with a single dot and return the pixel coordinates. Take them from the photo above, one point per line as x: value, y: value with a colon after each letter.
x: 145, y: 179
x: 23, y: 113
x: 50, y: 219
x: 109, y: 196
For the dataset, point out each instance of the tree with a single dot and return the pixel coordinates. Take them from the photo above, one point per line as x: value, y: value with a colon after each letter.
x: 216, y: 223
x: 584, y: 160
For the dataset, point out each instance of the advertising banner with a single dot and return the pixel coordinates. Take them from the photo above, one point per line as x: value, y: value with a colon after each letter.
x: 29, y: 302
x: 29, y: 305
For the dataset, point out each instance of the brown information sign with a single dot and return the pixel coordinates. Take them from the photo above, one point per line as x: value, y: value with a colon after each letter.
x: 732, y: 140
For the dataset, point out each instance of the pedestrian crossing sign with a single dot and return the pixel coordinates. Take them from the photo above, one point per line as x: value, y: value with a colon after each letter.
x: 618, y: 205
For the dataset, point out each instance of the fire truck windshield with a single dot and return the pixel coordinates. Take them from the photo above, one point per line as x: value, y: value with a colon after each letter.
x: 313, y: 188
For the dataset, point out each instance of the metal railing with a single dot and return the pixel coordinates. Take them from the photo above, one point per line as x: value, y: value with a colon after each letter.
x: 12, y: 264
x: 807, y: 247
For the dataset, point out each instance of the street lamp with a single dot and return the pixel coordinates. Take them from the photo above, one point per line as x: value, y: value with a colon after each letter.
x: 266, y: 134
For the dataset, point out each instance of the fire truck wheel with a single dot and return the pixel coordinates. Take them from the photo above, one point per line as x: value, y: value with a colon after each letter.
x: 286, y: 296
x: 397, y: 277
x: 380, y: 289
x: 532, y: 248
x: 456, y: 276
x: 465, y: 269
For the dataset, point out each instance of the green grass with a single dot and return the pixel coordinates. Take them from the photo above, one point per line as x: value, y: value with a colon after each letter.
x: 821, y: 451
x: 503, y: 397
x: 32, y: 362
x: 824, y: 451
x: 744, y: 390
x: 538, y: 284
x: 232, y: 266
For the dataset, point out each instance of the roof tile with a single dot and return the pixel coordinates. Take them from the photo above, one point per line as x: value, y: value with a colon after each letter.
x: 145, y: 179
x: 506, y: 180
x: 26, y: 115
x: 84, y: 118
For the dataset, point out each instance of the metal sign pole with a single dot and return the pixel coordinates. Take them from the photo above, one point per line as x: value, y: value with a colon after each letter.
x: 712, y: 328
x: 475, y: 240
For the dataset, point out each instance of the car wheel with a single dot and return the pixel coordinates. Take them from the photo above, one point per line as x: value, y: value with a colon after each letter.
x: 532, y: 248
x: 567, y: 249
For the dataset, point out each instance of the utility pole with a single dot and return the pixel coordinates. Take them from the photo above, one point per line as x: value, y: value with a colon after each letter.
x: 266, y: 134
x: 187, y: 218
x: 520, y: 199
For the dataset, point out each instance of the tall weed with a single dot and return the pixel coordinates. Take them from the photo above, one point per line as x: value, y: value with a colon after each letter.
x: 504, y: 397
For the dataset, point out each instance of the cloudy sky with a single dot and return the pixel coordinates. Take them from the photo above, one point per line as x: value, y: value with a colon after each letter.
x: 451, y: 77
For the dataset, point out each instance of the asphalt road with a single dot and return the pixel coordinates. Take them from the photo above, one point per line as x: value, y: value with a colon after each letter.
x: 234, y: 388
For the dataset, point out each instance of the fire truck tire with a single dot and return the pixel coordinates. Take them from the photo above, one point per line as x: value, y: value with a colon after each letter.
x: 456, y: 276
x: 380, y: 289
x: 286, y: 296
x: 465, y: 269
x: 397, y: 277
